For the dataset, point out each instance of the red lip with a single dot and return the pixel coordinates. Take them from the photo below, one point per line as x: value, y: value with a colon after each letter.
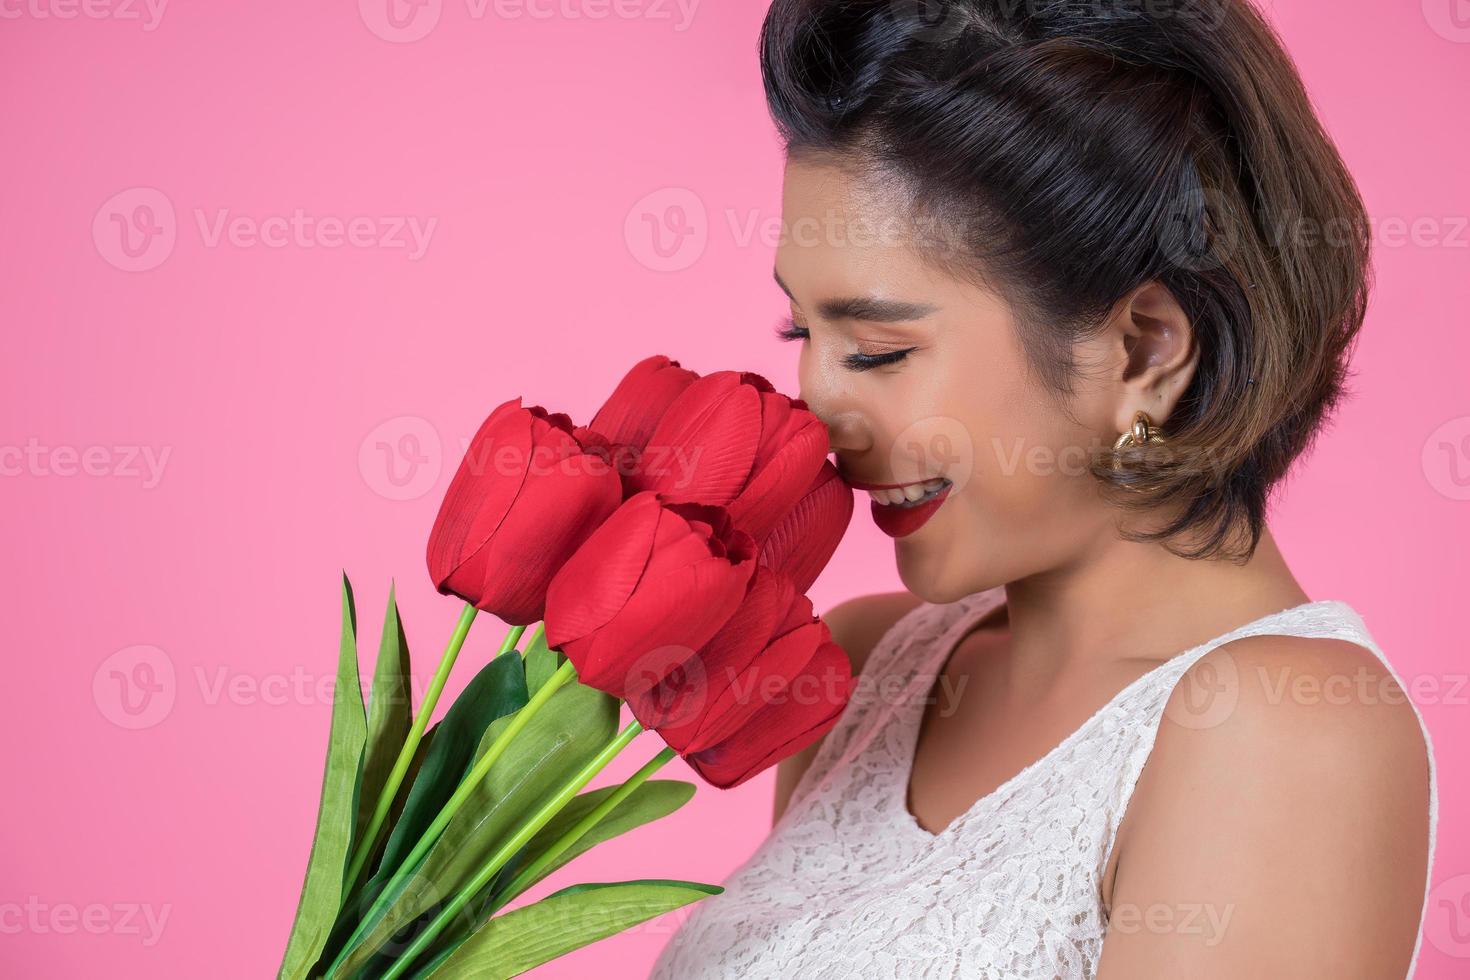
x: 898, y: 522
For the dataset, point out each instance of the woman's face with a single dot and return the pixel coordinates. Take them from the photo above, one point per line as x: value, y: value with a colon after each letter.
x: 961, y: 405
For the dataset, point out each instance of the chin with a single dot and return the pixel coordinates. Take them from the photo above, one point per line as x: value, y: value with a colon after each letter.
x: 922, y: 572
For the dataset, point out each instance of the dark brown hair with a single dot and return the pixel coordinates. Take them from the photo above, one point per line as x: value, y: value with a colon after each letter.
x: 1073, y: 150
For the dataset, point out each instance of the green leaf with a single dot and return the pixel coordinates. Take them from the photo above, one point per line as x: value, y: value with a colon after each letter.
x: 496, y: 692
x: 650, y: 800
x: 492, y: 695
x: 510, y: 944
x: 390, y: 714
x: 321, y: 890
x: 574, y: 724
x: 541, y: 662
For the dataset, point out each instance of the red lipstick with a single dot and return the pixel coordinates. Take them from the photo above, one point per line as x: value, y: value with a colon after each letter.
x: 897, y: 521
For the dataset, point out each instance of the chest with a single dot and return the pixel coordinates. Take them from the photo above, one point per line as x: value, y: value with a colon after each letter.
x: 974, y: 735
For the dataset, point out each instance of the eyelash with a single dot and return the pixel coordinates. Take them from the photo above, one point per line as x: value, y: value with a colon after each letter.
x: 854, y: 362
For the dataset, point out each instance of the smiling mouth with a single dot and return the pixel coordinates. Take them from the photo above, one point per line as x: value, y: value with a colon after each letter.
x: 905, y: 495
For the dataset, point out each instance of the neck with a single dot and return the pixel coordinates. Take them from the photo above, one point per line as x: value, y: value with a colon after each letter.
x: 1125, y: 600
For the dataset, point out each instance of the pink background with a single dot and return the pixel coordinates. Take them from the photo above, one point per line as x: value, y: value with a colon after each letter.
x: 303, y: 402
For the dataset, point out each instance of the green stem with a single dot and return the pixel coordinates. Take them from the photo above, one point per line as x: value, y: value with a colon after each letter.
x: 516, y: 841
x: 538, y: 635
x: 566, y: 672
x: 410, y: 746
x: 532, y: 871
x: 512, y: 637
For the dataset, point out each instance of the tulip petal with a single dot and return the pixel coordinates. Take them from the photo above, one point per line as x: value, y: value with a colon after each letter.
x: 678, y: 706
x: 768, y: 677
x: 594, y: 584
x: 784, y: 479
x: 556, y: 515
x: 778, y: 730
x: 803, y: 542
x: 667, y: 618
x: 478, y: 497
x: 783, y: 751
x: 705, y: 445
x: 640, y: 400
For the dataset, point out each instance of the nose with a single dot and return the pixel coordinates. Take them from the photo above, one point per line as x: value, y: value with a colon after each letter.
x: 830, y: 399
x: 847, y: 432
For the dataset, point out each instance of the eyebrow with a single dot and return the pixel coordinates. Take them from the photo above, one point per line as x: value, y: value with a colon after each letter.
x: 865, y: 307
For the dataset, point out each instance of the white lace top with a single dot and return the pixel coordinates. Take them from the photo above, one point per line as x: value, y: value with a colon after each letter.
x: 849, y: 885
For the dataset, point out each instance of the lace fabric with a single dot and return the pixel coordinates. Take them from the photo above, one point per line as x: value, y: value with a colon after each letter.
x: 848, y: 884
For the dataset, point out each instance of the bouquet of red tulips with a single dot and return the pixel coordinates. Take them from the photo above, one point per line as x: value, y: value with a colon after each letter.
x: 663, y: 553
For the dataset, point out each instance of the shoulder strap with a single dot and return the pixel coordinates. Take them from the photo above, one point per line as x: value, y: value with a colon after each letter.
x: 1327, y: 618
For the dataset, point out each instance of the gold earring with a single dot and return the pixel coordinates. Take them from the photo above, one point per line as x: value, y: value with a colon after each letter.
x: 1143, y: 432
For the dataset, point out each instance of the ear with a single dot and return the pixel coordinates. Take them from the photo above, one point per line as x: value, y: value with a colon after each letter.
x: 1154, y: 355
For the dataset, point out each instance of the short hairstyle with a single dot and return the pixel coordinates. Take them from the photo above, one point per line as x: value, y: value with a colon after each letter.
x: 1073, y: 150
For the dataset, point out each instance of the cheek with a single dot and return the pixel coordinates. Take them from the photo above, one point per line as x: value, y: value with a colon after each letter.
x: 1025, y: 458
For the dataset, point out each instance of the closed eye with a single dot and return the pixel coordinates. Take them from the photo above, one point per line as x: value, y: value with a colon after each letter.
x: 788, y: 330
x: 853, y: 362
x: 866, y: 362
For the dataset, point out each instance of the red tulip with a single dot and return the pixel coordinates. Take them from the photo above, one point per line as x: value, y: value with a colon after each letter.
x: 682, y: 706
x: 649, y: 587
x: 768, y: 684
x: 794, y: 692
x: 731, y: 440
x: 802, y: 543
x: 525, y: 497
x: 631, y: 413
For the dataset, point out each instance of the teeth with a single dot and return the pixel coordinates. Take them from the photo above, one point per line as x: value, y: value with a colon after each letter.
x: 907, y: 494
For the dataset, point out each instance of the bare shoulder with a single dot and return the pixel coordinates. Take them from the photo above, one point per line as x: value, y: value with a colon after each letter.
x: 1288, y: 782
x: 1313, y: 694
x: 857, y: 625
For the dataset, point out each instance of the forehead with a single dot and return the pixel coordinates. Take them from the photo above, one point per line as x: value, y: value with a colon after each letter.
x: 840, y: 231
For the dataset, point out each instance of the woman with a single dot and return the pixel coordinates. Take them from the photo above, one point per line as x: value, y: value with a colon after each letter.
x: 1076, y: 283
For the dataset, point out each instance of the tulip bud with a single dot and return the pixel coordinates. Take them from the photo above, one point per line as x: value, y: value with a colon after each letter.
x: 634, y: 409
x: 646, y: 590
x: 731, y: 440
x: 785, y: 723
x: 525, y: 497
x: 679, y: 707
x: 768, y: 684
